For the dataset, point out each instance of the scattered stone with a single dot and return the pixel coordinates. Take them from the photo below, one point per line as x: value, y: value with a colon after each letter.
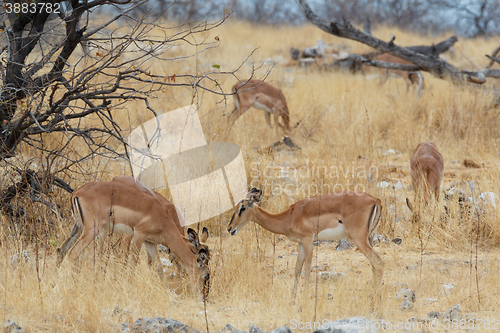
x: 469, y: 316
x: 397, y: 241
x: 126, y: 328
x: 472, y: 186
x: 406, y: 294
x: 383, y: 184
x: 471, y: 164
x: 444, y: 270
x: 285, y: 143
x: 163, y: 248
x: 390, y: 152
x: 429, y: 301
x: 230, y: 329
x: 15, y: 258
x: 280, y: 256
x: 490, y: 199
x: 448, y: 288
x: 397, y: 285
x: 399, y: 186
x: 319, y: 267
x: 165, y: 262
x: 370, y: 177
x: 332, y: 276
x: 344, y: 244
x: 406, y: 305
x: 418, y: 320
x: 350, y: 325
x: 411, y: 267
x: 453, y: 313
x: 379, y: 239
x: 11, y: 327
x: 255, y: 329
x: 282, y: 329
x: 434, y: 315
x: 157, y: 324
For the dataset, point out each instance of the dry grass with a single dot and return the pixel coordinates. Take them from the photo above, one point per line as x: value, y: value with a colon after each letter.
x: 347, y: 124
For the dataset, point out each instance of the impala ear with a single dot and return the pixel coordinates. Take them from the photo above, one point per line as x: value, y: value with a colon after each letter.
x: 254, y: 196
x: 204, y: 235
x: 193, y: 237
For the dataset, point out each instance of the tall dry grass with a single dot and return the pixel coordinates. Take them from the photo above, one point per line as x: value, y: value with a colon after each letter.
x: 347, y: 126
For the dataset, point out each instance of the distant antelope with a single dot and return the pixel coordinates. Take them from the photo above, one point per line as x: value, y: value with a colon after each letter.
x: 411, y: 78
x: 263, y: 96
x: 427, y: 171
x: 330, y: 216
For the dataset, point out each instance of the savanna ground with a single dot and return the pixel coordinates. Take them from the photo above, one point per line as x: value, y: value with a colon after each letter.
x: 347, y: 126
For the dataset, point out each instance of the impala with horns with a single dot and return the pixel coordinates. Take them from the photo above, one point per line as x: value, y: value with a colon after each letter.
x: 330, y: 216
x: 174, y: 213
x: 263, y: 96
x: 117, y: 208
x: 427, y: 171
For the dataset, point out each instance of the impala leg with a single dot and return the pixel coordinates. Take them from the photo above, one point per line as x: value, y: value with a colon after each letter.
x: 308, y: 252
x: 135, y: 248
x: 277, y: 122
x: 298, y: 268
x: 152, y: 250
x: 237, y: 113
x: 100, y: 240
x: 377, y: 263
x: 384, y: 75
x: 268, y: 119
x: 63, y: 250
x: 123, y: 247
x: 87, y: 238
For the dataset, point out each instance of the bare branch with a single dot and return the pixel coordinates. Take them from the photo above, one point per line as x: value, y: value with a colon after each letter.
x: 435, y: 66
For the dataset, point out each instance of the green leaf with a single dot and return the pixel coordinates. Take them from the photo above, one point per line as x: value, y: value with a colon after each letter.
x: 216, y: 66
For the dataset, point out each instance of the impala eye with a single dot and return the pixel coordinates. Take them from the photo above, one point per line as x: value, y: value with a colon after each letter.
x: 242, y: 209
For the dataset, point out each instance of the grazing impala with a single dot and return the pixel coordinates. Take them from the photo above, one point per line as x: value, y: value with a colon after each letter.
x: 331, y: 216
x: 173, y: 212
x: 115, y: 207
x: 260, y: 95
x: 411, y: 78
x: 427, y: 171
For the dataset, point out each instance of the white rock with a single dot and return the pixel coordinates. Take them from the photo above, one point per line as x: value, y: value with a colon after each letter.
x: 165, y: 262
x: 399, y: 186
x: 390, y: 152
x: 383, y: 184
x: 448, y: 288
x: 490, y: 199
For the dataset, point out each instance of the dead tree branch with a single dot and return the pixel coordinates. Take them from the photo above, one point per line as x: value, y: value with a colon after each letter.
x: 433, y: 65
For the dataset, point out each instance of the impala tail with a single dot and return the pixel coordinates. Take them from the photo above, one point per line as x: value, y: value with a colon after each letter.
x: 374, y: 220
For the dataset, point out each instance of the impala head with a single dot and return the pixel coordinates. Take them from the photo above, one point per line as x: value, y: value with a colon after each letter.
x: 243, y: 212
x: 202, y: 254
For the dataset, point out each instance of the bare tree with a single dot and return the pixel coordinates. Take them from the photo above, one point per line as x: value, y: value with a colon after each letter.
x: 473, y: 18
x: 433, y: 65
x: 56, y: 71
